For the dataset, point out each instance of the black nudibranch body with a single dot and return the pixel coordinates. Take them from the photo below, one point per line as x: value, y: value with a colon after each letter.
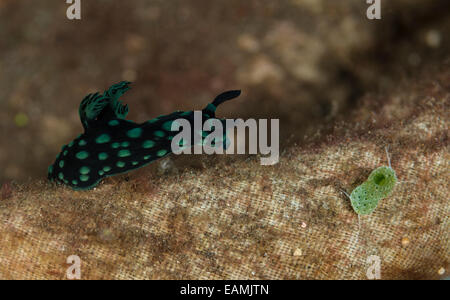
x: 111, y: 145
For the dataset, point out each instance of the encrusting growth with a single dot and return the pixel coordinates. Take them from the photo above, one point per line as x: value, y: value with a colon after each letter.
x: 365, y: 197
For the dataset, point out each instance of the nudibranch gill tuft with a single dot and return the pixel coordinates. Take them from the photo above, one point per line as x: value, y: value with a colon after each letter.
x: 111, y: 145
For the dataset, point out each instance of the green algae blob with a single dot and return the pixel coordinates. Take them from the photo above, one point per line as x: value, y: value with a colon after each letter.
x: 365, y: 197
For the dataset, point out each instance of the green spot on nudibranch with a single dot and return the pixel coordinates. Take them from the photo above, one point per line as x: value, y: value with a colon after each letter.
x: 65, y: 152
x: 82, y: 155
x: 113, y: 123
x: 85, y: 170
x: 107, y: 168
x: 120, y: 164
x: 74, y: 182
x: 211, y: 107
x: 134, y: 163
x: 82, y: 143
x: 115, y: 145
x: 70, y: 144
x: 125, y: 144
x: 159, y: 133
x: 102, y: 155
x: 61, y: 175
x: 161, y: 152
x: 101, y: 172
x: 148, y: 144
x: 50, y: 169
x: 147, y: 157
x: 103, y: 138
x: 61, y: 163
x: 153, y: 120
x: 84, y: 177
x: 124, y: 153
x: 168, y: 125
x: 135, y: 132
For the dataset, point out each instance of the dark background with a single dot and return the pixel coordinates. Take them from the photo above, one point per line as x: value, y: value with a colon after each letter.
x: 308, y: 63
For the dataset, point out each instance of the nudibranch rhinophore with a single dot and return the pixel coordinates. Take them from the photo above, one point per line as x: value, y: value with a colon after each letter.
x: 111, y: 145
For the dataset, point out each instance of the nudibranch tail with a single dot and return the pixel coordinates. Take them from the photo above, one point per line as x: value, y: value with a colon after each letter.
x: 112, y: 145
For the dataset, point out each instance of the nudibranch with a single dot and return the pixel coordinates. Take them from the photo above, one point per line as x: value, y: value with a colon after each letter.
x: 111, y: 145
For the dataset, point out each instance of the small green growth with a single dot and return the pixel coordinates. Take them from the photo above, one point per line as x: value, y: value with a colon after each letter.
x: 21, y: 120
x: 365, y: 197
